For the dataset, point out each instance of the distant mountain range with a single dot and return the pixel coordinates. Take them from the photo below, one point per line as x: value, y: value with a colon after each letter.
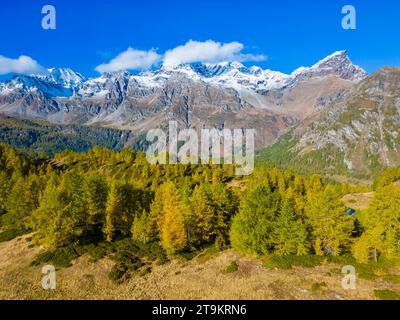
x: 332, y: 106
x: 196, y: 95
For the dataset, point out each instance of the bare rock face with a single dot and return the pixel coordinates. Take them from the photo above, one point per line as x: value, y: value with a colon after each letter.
x: 226, y: 95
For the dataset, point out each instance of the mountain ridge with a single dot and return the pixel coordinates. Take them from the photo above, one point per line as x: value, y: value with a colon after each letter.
x: 202, y: 71
x: 227, y: 94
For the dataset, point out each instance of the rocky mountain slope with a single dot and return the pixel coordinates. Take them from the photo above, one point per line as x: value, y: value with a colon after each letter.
x: 356, y: 133
x: 196, y: 95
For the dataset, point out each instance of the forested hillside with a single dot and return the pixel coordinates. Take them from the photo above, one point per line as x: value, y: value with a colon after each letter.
x: 114, y: 203
x: 41, y: 137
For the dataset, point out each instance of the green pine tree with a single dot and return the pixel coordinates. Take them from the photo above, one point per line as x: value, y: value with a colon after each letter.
x: 252, y: 226
x: 331, y: 228
x: 289, y: 236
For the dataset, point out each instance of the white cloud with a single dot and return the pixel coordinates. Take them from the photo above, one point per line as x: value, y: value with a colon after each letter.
x: 131, y: 59
x: 23, y: 64
x: 208, y: 51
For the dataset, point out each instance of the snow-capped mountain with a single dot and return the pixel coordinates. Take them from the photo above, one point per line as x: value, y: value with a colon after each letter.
x: 22, y: 84
x: 232, y: 75
x: 237, y: 76
x: 65, y: 77
x: 337, y: 63
x: 198, y: 94
x: 57, y: 82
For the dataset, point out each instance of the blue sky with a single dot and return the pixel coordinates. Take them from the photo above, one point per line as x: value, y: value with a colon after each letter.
x: 290, y: 33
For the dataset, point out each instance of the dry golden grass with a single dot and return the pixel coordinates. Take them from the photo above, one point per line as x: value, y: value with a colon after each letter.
x: 358, y: 201
x: 200, y: 278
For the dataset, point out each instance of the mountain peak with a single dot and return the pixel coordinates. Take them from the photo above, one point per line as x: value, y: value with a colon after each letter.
x: 64, y: 77
x: 337, y: 63
x: 237, y: 65
x: 338, y: 57
x: 339, y: 53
